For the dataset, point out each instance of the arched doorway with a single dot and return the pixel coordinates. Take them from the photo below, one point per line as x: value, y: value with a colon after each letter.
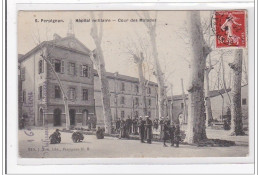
x: 72, y: 113
x: 57, y: 117
x: 84, y: 117
x: 40, y: 117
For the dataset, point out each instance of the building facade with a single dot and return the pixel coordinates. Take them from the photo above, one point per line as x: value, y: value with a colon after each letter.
x: 125, y: 97
x: 41, y: 97
x: 219, y: 104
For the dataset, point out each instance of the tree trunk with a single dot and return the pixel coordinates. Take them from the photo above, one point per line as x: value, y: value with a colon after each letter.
x: 223, y: 79
x: 196, y: 130
x: 184, y: 103
x: 104, y: 85
x: 209, y: 117
x: 139, y: 62
x: 159, y: 74
x: 236, y: 113
x: 65, y: 98
x: 98, y: 60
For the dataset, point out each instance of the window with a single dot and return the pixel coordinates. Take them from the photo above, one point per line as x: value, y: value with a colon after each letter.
x: 122, y: 86
x: 40, y: 92
x: 137, y: 101
x: 72, y: 69
x: 149, y: 90
x: 182, y: 105
x: 122, y: 100
x: 23, y: 74
x: 244, y: 101
x: 149, y: 102
x: 85, y: 94
x: 57, y: 66
x: 122, y: 114
x: 84, y: 70
x: 57, y: 92
x: 72, y: 94
x: 41, y: 68
x: 24, y: 96
x: 136, y: 88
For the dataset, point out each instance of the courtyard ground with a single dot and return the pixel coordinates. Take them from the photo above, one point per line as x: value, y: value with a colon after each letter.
x: 36, y: 146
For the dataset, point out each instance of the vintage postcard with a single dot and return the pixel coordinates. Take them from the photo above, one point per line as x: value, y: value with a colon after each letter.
x: 133, y: 84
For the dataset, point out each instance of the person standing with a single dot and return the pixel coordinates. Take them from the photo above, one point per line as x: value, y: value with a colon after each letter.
x: 148, y: 130
x: 155, y: 124
x: 122, y: 129
x: 128, y: 125
x: 135, y: 126
x: 172, y: 133
x: 177, y: 134
x: 141, y: 127
x: 118, y: 125
x: 161, y: 122
x: 165, y: 132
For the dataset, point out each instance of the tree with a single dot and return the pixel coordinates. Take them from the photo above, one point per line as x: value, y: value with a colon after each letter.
x: 46, y: 49
x: 200, y: 50
x: 151, y: 26
x: 98, y: 59
x: 236, y: 113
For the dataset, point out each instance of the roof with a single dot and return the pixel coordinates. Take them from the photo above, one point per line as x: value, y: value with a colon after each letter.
x: 58, y: 42
x: 122, y: 77
x: 213, y: 93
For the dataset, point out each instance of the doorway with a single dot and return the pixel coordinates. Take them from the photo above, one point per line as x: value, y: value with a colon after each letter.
x: 57, y: 117
x: 72, y: 113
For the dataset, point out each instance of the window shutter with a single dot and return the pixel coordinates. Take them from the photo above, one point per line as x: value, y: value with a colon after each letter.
x: 68, y: 94
x: 81, y: 70
x: 76, y: 70
x: 68, y: 68
x: 39, y: 67
x: 89, y: 70
x: 75, y: 94
x: 43, y: 66
x: 23, y: 74
x: 62, y: 67
x: 38, y: 93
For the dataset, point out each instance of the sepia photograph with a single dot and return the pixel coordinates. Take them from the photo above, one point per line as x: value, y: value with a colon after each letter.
x: 132, y: 84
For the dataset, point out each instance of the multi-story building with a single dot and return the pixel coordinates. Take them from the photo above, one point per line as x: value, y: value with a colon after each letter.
x: 125, y: 97
x: 41, y: 98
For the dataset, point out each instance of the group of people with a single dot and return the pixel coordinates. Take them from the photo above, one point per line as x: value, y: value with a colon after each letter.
x: 144, y: 126
x: 129, y: 126
x: 170, y: 131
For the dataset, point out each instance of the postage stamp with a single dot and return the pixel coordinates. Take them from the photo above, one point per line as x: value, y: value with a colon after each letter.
x: 230, y: 29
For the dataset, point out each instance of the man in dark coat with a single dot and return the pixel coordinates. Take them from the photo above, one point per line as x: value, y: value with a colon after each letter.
x: 165, y: 132
x: 177, y: 134
x: 135, y: 126
x: 172, y: 133
x: 118, y: 125
x: 155, y: 124
x: 161, y: 122
x: 122, y: 129
x: 148, y: 130
x: 129, y: 125
x: 141, y: 127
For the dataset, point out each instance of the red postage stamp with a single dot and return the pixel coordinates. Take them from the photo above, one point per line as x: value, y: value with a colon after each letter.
x: 230, y: 29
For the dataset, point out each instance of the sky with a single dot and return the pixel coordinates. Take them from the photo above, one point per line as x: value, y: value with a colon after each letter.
x: 120, y: 37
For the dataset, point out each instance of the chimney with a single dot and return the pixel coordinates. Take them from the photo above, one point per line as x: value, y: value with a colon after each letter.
x: 70, y: 29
